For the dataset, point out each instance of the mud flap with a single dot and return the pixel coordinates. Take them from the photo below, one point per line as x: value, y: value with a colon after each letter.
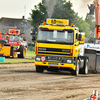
x: 11, y: 51
x: 84, y: 64
x: 97, y: 68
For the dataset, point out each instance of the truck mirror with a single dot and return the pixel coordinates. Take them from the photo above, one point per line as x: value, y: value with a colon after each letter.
x: 33, y: 37
x: 76, y: 35
x: 80, y: 37
x: 31, y: 33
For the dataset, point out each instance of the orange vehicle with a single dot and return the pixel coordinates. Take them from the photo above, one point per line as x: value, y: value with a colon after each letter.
x: 92, y: 50
x: 95, y: 7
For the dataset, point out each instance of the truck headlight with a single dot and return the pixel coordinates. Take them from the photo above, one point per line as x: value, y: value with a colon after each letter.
x: 69, y: 61
x: 38, y: 59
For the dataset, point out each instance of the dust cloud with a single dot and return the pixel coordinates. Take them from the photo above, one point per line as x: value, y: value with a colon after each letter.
x: 85, y: 2
x: 50, y: 6
x: 81, y: 7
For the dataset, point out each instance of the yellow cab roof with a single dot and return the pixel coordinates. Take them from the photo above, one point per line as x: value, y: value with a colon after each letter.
x: 55, y: 27
x: 58, y: 24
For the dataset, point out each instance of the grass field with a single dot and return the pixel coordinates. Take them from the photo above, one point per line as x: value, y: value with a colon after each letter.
x: 28, y: 54
x: 19, y: 61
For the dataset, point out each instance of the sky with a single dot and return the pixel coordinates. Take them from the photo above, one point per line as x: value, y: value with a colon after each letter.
x: 18, y: 8
x: 81, y: 7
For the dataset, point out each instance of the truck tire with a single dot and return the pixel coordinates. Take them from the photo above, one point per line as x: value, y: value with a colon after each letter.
x: 12, y: 53
x: 39, y: 69
x: 76, y: 71
x: 22, y: 51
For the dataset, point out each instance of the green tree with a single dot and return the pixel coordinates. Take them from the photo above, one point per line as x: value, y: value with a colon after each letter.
x: 91, y: 39
x: 90, y: 20
x: 38, y: 15
x: 85, y: 27
x: 62, y: 10
x: 82, y: 25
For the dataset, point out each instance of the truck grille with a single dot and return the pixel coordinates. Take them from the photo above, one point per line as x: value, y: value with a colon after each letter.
x: 61, y: 51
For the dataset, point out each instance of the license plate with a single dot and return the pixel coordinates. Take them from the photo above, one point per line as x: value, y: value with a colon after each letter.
x: 53, y: 63
x: 53, y: 58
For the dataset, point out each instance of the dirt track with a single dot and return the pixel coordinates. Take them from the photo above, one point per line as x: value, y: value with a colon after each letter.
x: 21, y: 82
x: 15, y: 58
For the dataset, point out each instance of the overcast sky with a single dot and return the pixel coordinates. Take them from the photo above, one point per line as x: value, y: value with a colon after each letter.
x: 18, y: 8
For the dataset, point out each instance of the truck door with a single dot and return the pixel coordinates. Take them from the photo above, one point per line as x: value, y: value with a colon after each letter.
x: 77, y: 49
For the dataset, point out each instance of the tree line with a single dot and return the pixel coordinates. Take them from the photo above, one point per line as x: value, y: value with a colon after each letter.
x: 62, y: 10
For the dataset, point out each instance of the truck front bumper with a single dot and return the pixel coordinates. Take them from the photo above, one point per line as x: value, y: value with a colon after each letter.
x: 55, y: 64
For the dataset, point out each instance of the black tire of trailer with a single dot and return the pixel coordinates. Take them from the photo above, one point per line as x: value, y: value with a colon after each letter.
x: 76, y: 71
x: 12, y: 53
x: 84, y: 70
x: 22, y: 51
x: 39, y: 69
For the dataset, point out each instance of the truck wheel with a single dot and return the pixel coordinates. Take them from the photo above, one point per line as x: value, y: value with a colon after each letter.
x: 76, y: 72
x: 12, y: 52
x: 22, y: 51
x: 39, y: 69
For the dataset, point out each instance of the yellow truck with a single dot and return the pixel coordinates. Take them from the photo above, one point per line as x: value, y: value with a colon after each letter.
x: 60, y: 47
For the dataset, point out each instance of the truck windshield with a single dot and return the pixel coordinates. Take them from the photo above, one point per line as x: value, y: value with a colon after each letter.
x: 3, y: 36
x: 14, y: 38
x: 58, y: 36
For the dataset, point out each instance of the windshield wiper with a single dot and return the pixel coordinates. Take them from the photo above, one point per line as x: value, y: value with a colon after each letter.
x: 51, y: 40
x: 65, y: 41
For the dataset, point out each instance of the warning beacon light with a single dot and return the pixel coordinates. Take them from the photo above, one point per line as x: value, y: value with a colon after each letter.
x: 58, y: 21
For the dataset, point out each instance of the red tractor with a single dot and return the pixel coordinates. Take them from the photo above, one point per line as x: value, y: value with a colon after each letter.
x: 15, y: 40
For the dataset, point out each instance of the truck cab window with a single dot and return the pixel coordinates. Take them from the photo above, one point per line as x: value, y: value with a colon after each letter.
x: 59, y: 36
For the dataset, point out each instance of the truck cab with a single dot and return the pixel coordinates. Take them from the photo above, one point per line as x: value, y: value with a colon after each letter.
x: 60, y: 47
